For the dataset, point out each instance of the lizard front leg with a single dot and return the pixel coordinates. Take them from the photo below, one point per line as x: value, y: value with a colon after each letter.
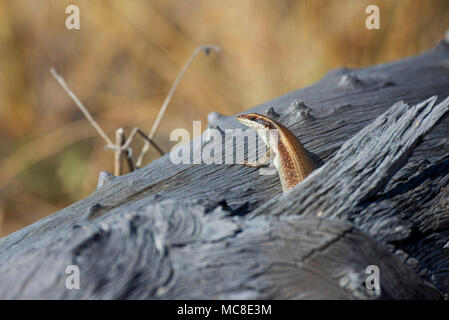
x: 262, y: 162
x: 265, y: 159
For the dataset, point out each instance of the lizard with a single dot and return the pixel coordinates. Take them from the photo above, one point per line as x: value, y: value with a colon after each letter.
x: 290, y: 158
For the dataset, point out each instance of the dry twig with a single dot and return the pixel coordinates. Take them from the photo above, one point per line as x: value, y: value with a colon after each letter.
x: 80, y: 106
x: 206, y: 49
x: 118, y: 151
x: 122, y: 145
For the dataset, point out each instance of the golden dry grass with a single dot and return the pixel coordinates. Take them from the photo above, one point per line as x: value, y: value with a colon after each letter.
x: 126, y: 55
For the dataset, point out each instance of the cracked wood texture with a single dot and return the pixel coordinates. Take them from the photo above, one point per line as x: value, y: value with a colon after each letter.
x: 223, y: 231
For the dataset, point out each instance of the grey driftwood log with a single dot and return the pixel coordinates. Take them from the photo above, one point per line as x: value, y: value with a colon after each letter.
x: 222, y: 231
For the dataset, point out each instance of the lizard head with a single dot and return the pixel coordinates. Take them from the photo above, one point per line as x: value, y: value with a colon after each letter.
x: 256, y: 121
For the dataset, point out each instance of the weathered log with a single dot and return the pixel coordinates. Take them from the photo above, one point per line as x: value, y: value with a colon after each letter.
x: 224, y: 231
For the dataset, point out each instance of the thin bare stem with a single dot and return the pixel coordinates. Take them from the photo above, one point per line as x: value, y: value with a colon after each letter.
x: 130, y: 138
x: 207, y: 49
x: 147, y: 139
x: 150, y: 141
x: 80, y: 106
x: 118, y: 152
x: 129, y: 159
x: 128, y: 151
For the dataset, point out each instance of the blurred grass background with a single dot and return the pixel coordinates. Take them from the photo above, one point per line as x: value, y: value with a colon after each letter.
x: 123, y: 60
